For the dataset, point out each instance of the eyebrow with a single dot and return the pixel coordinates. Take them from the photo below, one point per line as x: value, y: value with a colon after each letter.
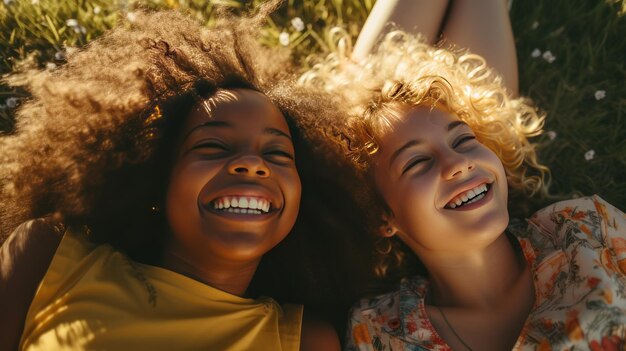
x: 277, y: 132
x: 223, y: 124
x: 455, y: 124
x: 415, y: 142
x: 397, y: 153
x: 211, y: 124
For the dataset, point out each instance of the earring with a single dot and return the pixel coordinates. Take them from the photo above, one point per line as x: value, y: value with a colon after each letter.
x: 389, y: 230
x: 155, y: 209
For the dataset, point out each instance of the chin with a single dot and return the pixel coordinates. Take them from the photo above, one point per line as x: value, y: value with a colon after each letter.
x: 245, y: 245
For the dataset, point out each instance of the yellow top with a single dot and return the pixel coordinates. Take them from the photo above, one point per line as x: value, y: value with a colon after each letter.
x: 95, y: 298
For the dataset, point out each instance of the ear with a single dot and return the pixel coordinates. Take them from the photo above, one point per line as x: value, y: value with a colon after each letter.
x: 387, y: 228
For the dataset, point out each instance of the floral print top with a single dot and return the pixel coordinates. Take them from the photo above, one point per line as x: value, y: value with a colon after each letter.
x: 577, y: 252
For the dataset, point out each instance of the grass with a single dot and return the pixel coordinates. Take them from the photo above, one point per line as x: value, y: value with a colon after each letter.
x: 585, y: 38
x: 588, y: 43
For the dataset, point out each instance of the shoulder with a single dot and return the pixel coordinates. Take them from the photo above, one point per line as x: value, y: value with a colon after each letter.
x: 587, y: 220
x: 411, y: 288
x: 577, y: 209
x: 30, y: 245
x: 367, y: 309
x: 25, y: 257
x: 386, y: 313
x: 396, y: 320
x: 366, y: 323
x: 591, y: 216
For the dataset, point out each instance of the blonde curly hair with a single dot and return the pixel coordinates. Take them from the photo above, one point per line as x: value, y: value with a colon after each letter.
x: 404, y: 71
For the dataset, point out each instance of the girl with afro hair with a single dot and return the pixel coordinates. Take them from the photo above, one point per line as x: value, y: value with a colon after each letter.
x: 161, y: 163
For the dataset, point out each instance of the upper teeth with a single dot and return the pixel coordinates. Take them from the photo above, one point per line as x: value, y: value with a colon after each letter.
x: 469, y: 196
x: 242, y: 202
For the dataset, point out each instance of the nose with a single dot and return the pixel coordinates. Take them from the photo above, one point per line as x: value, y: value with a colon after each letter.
x: 456, y: 164
x: 249, y: 165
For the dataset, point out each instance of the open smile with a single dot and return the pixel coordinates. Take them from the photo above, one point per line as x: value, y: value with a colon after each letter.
x: 471, y: 198
x: 242, y: 204
x: 243, y: 207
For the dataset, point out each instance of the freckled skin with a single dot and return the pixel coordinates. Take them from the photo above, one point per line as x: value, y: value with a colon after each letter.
x: 443, y: 163
x: 234, y: 156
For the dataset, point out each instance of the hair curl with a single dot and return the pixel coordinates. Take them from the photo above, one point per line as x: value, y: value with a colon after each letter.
x: 404, y: 72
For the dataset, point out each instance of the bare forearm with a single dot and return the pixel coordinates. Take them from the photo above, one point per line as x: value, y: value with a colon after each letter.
x: 484, y: 27
x: 412, y: 16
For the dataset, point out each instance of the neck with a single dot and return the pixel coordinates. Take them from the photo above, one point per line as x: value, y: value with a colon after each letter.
x: 228, y: 276
x: 475, y: 279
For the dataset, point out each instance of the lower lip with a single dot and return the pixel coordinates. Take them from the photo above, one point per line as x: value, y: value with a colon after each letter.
x: 474, y: 205
x: 243, y: 216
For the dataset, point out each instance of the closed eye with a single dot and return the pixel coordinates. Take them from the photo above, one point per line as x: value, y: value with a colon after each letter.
x: 210, y: 147
x: 463, y: 139
x: 279, y: 156
x: 414, y: 162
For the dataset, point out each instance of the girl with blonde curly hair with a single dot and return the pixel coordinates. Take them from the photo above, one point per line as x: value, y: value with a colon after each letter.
x: 161, y: 160
x: 437, y: 142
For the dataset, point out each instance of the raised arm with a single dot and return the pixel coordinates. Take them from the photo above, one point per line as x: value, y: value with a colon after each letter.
x: 413, y: 16
x: 484, y: 27
x: 24, y: 260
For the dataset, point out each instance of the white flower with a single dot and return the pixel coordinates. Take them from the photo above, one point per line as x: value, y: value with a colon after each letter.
x: 298, y: 24
x: 283, y: 38
x: 50, y: 65
x: 131, y: 16
x: 536, y: 53
x: 71, y: 22
x: 535, y: 25
x: 600, y: 94
x: 548, y: 56
x: 79, y: 29
x: 96, y: 10
x: 551, y: 134
x: 11, y: 102
x: 59, y: 56
x: 589, y: 155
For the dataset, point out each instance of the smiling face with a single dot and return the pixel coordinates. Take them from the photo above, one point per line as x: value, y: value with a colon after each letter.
x: 234, y: 191
x: 446, y: 191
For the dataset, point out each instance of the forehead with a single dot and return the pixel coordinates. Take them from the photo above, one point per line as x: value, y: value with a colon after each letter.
x: 416, y: 123
x: 240, y: 108
x: 426, y: 116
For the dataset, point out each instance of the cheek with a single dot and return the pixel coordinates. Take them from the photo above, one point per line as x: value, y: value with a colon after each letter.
x: 416, y: 202
x: 406, y: 196
x: 409, y: 191
x: 496, y: 166
x: 186, y: 184
x: 496, y: 163
x: 292, y: 188
x: 488, y: 155
x: 411, y: 200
